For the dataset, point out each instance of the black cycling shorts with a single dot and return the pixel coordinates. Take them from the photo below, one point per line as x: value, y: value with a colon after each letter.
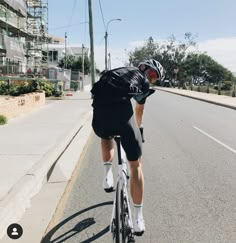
x: 119, y: 120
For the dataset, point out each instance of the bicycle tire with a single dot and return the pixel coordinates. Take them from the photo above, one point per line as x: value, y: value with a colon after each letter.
x: 117, y: 219
x: 121, y: 224
x: 124, y: 217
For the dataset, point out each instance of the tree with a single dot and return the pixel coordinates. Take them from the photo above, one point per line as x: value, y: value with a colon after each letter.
x: 182, y: 60
x: 74, y: 63
x: 147, y: 51
x: 171, y: 55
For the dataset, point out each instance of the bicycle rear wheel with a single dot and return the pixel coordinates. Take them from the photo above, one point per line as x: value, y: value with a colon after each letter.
x: 117, y: 220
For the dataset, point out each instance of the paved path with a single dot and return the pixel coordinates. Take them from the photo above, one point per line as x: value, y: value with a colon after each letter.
x: 222, y: 100
x: 30, y: 145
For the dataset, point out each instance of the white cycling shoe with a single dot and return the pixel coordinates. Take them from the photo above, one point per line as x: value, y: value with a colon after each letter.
x: 108, y: 183
x: 139, y: 226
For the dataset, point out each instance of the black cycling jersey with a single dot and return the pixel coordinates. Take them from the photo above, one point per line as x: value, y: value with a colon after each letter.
x: 119, y: 86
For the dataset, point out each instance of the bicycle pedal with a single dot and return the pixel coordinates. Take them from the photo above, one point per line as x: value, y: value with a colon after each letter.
x: 108, y: 190
x: 139, y: 233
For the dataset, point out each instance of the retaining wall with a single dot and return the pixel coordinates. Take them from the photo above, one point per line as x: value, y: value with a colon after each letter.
x: 13, y: 106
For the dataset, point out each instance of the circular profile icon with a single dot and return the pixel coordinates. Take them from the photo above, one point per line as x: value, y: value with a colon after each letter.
x: 14, y: 231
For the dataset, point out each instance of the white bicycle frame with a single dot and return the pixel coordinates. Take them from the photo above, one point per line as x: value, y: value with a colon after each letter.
x: 122, y: 179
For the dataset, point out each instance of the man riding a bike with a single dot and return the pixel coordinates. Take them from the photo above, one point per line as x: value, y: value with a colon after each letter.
x: 113, y: 114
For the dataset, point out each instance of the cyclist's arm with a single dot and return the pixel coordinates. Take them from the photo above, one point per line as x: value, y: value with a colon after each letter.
x: 139, y: 109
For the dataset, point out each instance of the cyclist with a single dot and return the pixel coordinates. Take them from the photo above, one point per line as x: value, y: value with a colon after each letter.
x: 113, y: 115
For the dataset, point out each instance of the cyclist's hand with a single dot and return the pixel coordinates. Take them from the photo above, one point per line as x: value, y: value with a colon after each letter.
x: 151, y: 91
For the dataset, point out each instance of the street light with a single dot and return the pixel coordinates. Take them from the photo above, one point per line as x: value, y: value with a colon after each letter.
x: 106, y: 35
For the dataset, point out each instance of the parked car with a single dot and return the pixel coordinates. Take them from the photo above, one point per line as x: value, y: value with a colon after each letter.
x: 166, y: 83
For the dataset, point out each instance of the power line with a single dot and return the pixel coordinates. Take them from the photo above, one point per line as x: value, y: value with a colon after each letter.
x: 85, y: 16
x: 63, y: 27
x: 102, y: 14
x: 73, y: 9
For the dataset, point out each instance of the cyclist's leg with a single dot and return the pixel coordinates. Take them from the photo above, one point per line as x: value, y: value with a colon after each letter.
x: 132, y: 144
x: 107, y: 155
x: 107, y: 148
x: 136, y: 182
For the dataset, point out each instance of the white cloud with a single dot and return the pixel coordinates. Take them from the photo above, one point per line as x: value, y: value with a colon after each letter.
x: 119, y: 57
x: 222, y: 50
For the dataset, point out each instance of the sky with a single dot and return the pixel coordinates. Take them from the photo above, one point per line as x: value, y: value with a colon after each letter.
x: 213, y: 22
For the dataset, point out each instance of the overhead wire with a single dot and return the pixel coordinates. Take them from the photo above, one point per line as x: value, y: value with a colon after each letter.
x: 85, y: 17
x: 102, y: 15
x: 71, y: 16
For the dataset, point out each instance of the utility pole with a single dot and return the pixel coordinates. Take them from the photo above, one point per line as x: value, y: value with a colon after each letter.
x: 109, y: 60
x: 82, y: 83
x: 106, y: 34
x: 91, y: 41
x: 65, y: 52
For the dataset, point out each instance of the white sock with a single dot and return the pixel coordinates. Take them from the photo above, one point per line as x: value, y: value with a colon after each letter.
x: 138, y: 211
x: 107, y: 167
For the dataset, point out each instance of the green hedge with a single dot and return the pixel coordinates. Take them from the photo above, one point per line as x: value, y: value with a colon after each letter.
x: 18, y: 87
x: 3, y: 120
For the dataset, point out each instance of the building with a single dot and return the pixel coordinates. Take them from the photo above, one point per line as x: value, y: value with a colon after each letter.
x: 23, y: 33
x: 25, y: 45
x: 58, y: 50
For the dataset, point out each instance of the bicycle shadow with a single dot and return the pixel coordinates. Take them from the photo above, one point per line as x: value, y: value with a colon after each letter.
x: 79, y: 227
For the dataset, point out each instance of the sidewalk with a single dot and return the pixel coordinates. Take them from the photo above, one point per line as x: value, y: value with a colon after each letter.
x: 226, y: 101
x: 30, y: 146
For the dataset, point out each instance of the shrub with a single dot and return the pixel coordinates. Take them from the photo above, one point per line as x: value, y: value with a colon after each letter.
x: 14, y: 90
x: 3, y: 120
x: 57, y: 93
x: 74, y: 85
x: 3, y: 88
x: 226, y: 85
x: 47, y: 87
x: 17, y: 87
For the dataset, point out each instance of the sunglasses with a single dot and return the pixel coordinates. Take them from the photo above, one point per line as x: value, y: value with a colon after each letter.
x: 152, y: 74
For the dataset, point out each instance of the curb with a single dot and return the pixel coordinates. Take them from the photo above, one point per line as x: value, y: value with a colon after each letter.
x: 201, y: 99
x: 13, y: 206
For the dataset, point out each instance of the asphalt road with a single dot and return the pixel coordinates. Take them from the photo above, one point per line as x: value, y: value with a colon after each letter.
x: 189, y: 163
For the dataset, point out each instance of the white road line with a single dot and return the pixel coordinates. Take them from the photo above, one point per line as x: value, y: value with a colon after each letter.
x: 216, y: 140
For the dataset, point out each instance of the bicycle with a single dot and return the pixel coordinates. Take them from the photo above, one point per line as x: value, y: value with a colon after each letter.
x: 121, y: 225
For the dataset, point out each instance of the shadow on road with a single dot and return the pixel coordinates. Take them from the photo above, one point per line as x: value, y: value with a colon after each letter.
x: 79, y: 227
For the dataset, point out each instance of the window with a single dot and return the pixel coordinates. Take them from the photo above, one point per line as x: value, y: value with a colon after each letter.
x: 53, y: 56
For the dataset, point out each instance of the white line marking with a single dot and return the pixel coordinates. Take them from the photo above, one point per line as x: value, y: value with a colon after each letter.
x: 216, y: 140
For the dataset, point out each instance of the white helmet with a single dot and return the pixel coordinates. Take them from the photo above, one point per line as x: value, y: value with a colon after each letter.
x: 154, y: 65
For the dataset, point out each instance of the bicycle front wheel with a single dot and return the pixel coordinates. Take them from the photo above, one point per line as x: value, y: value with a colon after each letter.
x: 122, y: 230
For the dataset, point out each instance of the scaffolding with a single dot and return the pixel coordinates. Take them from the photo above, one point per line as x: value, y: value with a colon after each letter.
x: 12, y: 33
x: 37, y: 38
